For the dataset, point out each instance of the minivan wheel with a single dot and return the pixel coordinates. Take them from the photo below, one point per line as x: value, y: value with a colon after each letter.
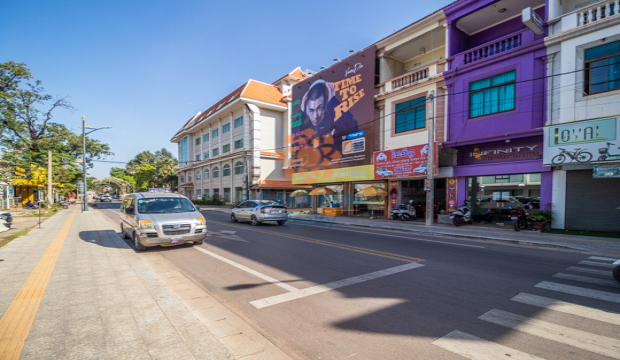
x: 281, y: 222
x: 123, y: 232
x: 254, y: 221
x: 137, y: 244
x: 233, y: 218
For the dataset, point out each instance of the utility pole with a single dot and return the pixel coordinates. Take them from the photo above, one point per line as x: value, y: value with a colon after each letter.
x: 430, y: 166
x: 85, y: 208
x: 50, y: 190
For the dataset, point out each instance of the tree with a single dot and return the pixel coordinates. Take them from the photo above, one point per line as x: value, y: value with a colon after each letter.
x: 153, y: 169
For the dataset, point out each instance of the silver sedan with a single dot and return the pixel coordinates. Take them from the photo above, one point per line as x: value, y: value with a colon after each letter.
x: 258, y: 211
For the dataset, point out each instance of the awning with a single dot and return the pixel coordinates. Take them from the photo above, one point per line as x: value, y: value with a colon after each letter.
x: 187, y: 185
x: 279, y: 184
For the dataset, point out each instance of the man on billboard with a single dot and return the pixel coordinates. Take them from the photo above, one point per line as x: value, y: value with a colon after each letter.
x: 318, y: 106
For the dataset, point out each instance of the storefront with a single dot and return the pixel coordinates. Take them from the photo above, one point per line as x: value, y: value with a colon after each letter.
x: 504, y: 175
x: 342, y: 200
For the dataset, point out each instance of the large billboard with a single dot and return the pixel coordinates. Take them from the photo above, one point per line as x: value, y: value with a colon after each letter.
x: 582, y: 142
x: 405, y: 162
x: 332, y: 116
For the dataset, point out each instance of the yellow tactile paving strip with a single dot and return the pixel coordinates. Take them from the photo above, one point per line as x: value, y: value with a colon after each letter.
x: 17, y: 321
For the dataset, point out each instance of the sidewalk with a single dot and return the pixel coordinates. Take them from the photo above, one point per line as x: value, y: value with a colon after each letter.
x: 73, y: 289
x: 598, y: 245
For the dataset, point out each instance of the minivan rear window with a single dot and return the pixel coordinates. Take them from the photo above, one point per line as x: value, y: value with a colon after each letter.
x: 164, y: 205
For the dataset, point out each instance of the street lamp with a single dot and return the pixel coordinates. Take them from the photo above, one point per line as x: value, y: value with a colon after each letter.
x: 84, y: 127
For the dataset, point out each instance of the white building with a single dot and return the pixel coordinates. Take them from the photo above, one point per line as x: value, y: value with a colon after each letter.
x: 233, y: 149
x: 583, y: 102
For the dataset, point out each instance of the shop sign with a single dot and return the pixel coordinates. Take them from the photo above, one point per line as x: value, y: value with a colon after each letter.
x: 332, y: 121
x: 502, y: 151
x: 609, y: 170
x: 582, y: 142
x: 405, y: 162
x: 354, y: 173
x: 451, y: 194
x: 394, y: 195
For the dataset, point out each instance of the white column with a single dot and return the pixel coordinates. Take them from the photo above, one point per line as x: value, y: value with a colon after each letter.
x: 590, y: 15
x: 607, y: 9
x: 255, y: 141
x: 558, y: 199
x: 617, y: 7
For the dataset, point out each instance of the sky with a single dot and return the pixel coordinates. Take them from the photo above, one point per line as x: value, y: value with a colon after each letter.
x: 145, y: 67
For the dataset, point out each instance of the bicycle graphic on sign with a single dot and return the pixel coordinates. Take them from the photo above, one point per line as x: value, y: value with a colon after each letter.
x: 578, y: 155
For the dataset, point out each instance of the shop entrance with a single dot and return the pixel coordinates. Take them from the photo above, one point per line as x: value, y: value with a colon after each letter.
x: 371, y: 205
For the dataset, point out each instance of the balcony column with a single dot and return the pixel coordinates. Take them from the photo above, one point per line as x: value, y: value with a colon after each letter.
x: 599, y: 13
x: 617, y: 7
x: 590, y: 16
x: 608, y: 10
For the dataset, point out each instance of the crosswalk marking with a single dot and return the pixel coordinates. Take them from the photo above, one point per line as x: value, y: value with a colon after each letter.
x: 588, y: 279
x: 580, y: 339
x: 568, y: 308
x: 473, y: 347
x: 593, y: 263
x: 588, y: 270
x: 601, y: 258
x: 575, y: 290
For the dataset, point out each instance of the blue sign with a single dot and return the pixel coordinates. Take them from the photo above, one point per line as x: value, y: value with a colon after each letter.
x: 356, y: 134
x: 164, y: 190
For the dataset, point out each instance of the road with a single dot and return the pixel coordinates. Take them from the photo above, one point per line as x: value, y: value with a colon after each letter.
x: 352, y: 293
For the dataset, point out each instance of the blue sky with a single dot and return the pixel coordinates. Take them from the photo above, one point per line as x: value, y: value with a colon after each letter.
x: 146, y: 67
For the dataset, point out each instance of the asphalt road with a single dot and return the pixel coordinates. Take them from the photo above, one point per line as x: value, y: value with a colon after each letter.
x: 353, y: 293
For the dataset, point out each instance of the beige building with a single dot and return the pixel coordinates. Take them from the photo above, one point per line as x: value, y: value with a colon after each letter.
x: 233, y: 148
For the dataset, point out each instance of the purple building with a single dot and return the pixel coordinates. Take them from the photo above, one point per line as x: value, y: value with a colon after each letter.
x: 496, y: 103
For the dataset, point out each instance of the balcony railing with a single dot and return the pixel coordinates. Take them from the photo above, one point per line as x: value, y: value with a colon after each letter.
x: 407, y: 79
x: 597, y: 12
x: 492, y: 48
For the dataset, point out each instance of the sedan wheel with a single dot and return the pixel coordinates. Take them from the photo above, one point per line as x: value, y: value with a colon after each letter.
x: 233, y: 218
x: 254, y: 221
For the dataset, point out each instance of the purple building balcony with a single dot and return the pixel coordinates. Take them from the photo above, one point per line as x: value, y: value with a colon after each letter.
x: 491, y: 49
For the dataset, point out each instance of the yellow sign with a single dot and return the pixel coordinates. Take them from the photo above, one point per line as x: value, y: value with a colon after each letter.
x: 354, y: 173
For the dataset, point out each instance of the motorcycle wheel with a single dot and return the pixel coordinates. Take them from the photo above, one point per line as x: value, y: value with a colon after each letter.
x: 516, y: 225
x: 455, y: 221
x: 404, y: 217
x: 394, y: 217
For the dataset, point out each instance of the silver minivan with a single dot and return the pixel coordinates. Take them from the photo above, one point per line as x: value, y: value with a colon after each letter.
x: 161, y: 219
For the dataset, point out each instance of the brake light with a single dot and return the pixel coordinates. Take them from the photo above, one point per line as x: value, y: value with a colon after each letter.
x: 262, y: 210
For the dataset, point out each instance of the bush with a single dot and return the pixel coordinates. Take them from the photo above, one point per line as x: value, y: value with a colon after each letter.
x: 213, y: 200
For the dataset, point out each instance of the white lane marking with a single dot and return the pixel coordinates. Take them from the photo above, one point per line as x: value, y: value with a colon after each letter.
x: 568, y: 308
x: 248, y: 270
x: 313, y: 290
x: 591, y: 271
x: 473, y: 347
x: 410, y: 238
x: 592, y: 263
x: 588, y: 279
x: 228, y: 235
x: 579, y: 291
x: 580, y: 339
x: 602, y: 258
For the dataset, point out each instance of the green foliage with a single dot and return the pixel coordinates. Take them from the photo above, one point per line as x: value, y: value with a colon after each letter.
x: 540, y: 215
x: 147, y: 170
x: 213, y: 200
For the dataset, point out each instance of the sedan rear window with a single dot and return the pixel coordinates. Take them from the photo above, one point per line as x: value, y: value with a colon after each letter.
x: 164, y: 205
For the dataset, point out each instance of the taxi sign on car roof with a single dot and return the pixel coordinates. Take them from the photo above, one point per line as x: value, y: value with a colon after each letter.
x: 164, y: 190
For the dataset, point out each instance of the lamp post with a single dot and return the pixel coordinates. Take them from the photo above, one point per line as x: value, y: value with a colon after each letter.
x: 84, y: 154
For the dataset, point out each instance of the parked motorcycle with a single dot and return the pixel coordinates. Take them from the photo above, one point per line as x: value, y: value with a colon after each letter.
x: 519, y: 219
x: 605, y: 155
x: 405, y: 212
x: 462, y: 214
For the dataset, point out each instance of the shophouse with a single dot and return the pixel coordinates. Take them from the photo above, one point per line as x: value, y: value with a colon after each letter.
x: 410, y: 94
x: 496, y: 103
x: 582, y: 136
x: 234, y: 149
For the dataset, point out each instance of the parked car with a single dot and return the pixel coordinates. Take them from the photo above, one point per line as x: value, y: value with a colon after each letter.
x: 421, y: 169
x: 383, y: 172
x: 502, y: 206
x: 161, y: 219
x: 259, y: 211
x: 8, y: 218
x: 105, y: 198
x: 532, y: 201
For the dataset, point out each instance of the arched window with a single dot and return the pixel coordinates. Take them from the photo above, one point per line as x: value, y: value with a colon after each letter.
x: 226, y: 170
x: 181, y: 178
x: 206, y: 174
x: 198, y: 173
x: 238, y: 168
x: 216, y: 172
x: 189, y: 177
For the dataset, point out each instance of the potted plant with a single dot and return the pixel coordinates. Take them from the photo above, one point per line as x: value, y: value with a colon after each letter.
x: 541, y: 219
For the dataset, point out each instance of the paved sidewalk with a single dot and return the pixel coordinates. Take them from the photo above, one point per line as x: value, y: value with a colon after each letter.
x: 603, y: 246
x: 102, y: 300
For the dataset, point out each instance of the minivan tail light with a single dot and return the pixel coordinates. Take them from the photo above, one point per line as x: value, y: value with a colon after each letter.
x: 262, y: 210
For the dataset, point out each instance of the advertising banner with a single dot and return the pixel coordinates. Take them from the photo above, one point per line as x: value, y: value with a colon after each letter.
x: 582, y: 142
x: 607, y: 170
x: 502, y: 151
x: 332, y: 116
x: 451, y: 194
x: 354, y: 173
x: 409, y: 161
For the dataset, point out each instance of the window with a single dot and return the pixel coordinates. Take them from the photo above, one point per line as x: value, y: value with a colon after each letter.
x: 215, y: 152
x: 238, y: 122
x: 216, y: 192
x: 238, y: 194
x: 226, y: 194
x: 198, y: 173
x: 184, y: 155
x: 198, y: 157
x: 181, y: 178
x: 198, y: 193
x: 225, y: 148
x: 205, y: 155
x: 197, y: 141
x: 216, y: 172
x: 226, y: 170
x: 225, y: 128
x: 238, y: 168
x: 411, y: 115
x: 189, y: 177
x: 205, y: 137
x: 492, y: 95
x: 215, y: 133
x: 238, y: 144
x: 206, y: 174
x: 603, y: 68
x: 205, y: 194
